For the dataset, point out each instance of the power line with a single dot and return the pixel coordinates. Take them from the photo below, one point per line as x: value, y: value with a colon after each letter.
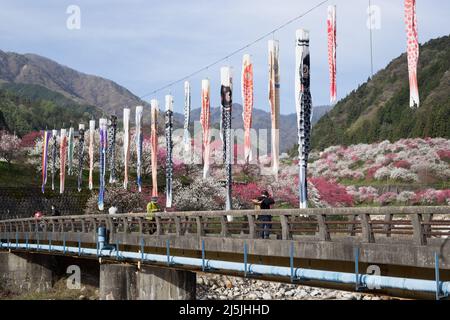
x: 236, y: 51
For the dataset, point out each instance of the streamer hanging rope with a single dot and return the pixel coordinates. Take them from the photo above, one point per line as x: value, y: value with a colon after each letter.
x: 169, y: 146
x: 274, y: 101
x: 91, y: 152
x: 62, y: 160
x: 205, y: 123
x: 154, y: 147
x: 304, y: 106
x: 81, y: 130
x: 247, y: 99
x: 103, y: 128
x: 126, y: 144
x: 54, y: 155
x: 187, y: 117
x: 45, y: 158
x: 227, y: 102
x: 139, y: 140
x: 331, y: 24
x: 413, y: 51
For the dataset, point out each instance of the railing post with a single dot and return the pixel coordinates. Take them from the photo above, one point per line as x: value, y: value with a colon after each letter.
x: 140, y: 225
x: 419, y: 235
x: 251, y: 226
x: 200, y: 231
x: 285, y: 234
x: 223, y: 223
x: 366, y: 226
x: 388, y: 224
x: 83, y: 225
x: 158, y: 226
x: 177, y: 225
x: 352, y: 226
x: 324, y: 233
x: 427, y: 228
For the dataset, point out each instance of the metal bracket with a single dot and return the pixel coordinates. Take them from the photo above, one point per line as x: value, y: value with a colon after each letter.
x: 168, y: 252
x: 17, y: 240
x: 27, y: 236
x: 37, y: 241
x: 50, y: 242
x: 117, y: 249
x: 79, y: 244
x: 64, y: 243
x: 204, y: 266
x: 142, y: 250
x: 358, y: 285
x: 439, y: 295
x: 294, y: 277
x: 247, y: 270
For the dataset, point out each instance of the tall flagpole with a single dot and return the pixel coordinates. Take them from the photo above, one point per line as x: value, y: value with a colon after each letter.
x: 304, y: 106
x: 154, y: 147
x: 274, y: 100
x: 227, y: 102
x: 169, y: 146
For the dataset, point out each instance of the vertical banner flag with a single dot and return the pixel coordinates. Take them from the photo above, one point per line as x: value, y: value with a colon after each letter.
x: 187, y: 117
x: 227, y: 102
x: 247, y: 100
x: 112, y: 148
x: 154, y: 147
x: 91, y: 152
x: 103, y: 128
x: 331, y: 28
x: 413, y: 51
x: 274, y: 100
x: 70, y: 151
x: 139, y: 140
x: 54, y: 154
x: 205, y: 122
x: 45, y: 140
x: 126, y: 144
x: 62, y: 160
x: 169, y: 145
x: 81, y: 130
x: 304, y: 106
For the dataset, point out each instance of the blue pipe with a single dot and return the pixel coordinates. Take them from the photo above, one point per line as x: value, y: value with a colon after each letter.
x: 371, y: 281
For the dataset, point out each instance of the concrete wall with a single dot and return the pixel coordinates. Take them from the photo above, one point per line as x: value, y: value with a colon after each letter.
x: 118, y: 282
x: 25, y: 272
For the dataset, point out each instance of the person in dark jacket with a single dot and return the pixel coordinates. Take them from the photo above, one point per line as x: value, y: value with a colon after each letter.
x: 265, y: 201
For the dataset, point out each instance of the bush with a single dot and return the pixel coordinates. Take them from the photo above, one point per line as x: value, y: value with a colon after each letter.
x: 126, y: 201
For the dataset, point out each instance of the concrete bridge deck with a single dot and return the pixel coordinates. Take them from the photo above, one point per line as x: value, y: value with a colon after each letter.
x: 399, y: 241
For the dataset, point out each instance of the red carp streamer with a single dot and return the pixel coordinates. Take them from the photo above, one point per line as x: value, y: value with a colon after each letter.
x: 247, y: 98
x: 154, y: 146
x: 274, y: 100
x: 413, y: 51
x: 62, y: 160
x: 205, y: 122
x: 331, y: 23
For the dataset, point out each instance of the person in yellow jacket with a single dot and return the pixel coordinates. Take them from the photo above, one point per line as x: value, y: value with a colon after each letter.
x: 152, y: 207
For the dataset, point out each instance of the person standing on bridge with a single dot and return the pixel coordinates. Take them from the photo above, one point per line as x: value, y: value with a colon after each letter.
x: 265, y: 201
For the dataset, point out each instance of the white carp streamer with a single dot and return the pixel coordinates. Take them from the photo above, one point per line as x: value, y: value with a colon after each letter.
x: 169, y: 148
x: 54, y: 151
x: 70, y: 151
x: 413, y: 51
x: 227, y: 103
x: 46, y: 139
x: 81, y: 131
x: 331, y: 28
x: 139, y: 140
x: 91, y: 153
x: 62, y: 160
x: 274, y: 101
x: 247, y: 99
x: 103, y: 130
x: 126, y: 144
x: 187, y: 117
x: 304, y: 108
x: 154, y: 147
x: 205, y: 118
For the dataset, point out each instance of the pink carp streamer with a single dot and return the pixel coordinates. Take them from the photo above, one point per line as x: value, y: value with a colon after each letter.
x: 205, y: 123
x: 331, y: 24
x: 413, y: 51
x: 126, y: 144
x: 47, y: 136
x: 274, y: 101
x: 91, y: 152
x: 62, y: 160
x: 154, y: 147
x: 247, y: 98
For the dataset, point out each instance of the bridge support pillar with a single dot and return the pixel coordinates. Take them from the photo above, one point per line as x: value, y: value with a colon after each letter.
x: 156, y: 283
x: 117, y: 282
x: 25, y: 272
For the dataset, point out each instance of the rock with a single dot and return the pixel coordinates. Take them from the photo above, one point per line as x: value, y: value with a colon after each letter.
x: 228, y: 284
x: 223, y: 298
x: 289, y: 293
x: 82, y: 297
x: 315, y: 293
x: 200, y: 280
x: 252, y: 296
x: 267, y: 296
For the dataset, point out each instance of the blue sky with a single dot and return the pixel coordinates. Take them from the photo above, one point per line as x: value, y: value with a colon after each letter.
x: 144, y: 45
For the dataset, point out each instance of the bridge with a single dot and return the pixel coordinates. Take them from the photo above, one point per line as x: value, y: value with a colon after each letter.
x: 398, y: 251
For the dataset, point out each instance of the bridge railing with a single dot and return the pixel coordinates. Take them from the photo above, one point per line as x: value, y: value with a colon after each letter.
x: 410, y: 223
